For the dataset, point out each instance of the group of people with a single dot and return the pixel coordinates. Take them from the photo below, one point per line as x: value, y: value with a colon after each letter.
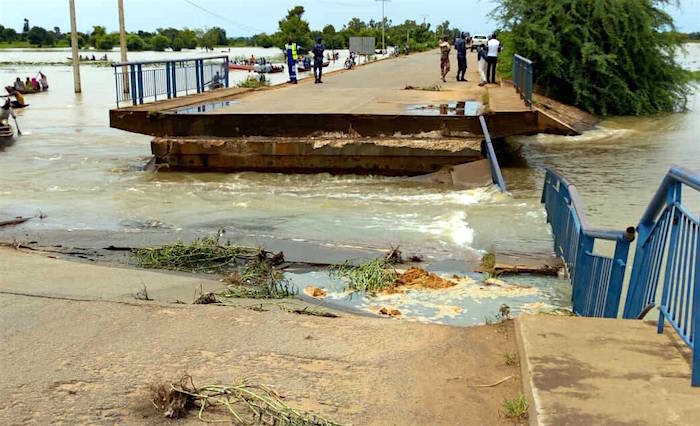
x: 291, y: 52
x: 92, y: 58
x: 487, y: 57
x: 30, y: 85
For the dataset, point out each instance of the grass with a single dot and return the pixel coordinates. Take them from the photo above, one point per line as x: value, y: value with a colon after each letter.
x: 510, y: 358
x: 258, y: 279
x: 485, y: 101
x: 253, y: 82
x: 488, y: 262
x: 245, y: 402
x: 202, y: 255
x: 370, y: 277
x: 516, y: 408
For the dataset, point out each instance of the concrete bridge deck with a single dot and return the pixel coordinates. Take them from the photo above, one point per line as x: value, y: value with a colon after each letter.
x: 400, y: 97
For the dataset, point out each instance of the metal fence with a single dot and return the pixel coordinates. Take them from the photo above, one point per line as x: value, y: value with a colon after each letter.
x: 522, y: 77
x: 667, y: 260
x: 496, y: 175
x: 596, y: 279
x: 148, y: 80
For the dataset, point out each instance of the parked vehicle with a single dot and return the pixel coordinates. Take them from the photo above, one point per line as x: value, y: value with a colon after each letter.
x: 478, y: 40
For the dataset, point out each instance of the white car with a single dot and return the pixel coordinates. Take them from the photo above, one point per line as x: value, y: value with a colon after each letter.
x: 479, y: 40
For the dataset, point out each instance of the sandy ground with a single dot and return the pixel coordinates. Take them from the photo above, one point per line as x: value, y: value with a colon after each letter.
x: 89, y: 361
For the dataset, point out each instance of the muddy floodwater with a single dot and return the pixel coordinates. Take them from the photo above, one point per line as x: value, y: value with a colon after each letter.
x: 83, y: 175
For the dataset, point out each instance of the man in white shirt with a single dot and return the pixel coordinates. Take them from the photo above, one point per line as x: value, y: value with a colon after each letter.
x: 493, y: 46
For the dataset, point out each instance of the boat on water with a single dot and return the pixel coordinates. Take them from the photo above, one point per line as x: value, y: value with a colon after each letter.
x: 240, y: 67
x: 11, y: 90
x: 6, y: 132
x: 268, y: 68
x: 303, y: 67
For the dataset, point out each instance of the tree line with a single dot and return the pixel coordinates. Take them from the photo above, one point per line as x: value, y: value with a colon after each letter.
x: 418, y: 36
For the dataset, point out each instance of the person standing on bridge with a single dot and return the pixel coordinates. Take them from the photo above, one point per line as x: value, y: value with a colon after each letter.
x: 461, y: 48
x: 291, y: 53
x: 444, y: 57
x: 318, y: 60
x: 493, y: 48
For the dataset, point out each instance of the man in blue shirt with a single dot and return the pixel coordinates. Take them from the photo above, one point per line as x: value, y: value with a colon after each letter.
x: 318, y: 60
x: 461, y: 48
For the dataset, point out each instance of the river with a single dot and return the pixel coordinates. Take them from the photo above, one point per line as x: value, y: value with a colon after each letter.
x: 83, y: 175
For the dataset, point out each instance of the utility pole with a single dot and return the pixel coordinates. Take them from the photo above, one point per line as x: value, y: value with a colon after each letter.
x: 74, y: 47
x: 425, y: 15
x: 122, y: 46
x: 383, y: 25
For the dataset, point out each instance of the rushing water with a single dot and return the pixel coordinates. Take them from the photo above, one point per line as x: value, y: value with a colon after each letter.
x: 70, y: 165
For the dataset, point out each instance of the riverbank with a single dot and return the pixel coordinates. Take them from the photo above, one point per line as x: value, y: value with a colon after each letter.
x: 85, y: 351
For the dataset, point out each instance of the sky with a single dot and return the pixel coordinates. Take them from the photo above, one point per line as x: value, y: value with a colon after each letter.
x: 244, y: 18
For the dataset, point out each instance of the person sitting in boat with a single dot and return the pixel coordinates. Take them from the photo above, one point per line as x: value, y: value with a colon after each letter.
x: 19, y: 100
x: 44, y: 81
x: 35, y: 84
x: 93, y: 57
x: 28, y: 85
x: 19, y: 86
x: 252, y: 59
x: 104, y: 57
x: 6, y: 112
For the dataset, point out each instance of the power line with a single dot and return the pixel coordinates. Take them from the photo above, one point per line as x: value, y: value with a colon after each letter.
x: 245, y: 27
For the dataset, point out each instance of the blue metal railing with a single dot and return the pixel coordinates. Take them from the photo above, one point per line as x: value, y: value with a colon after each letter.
x: 496, y: 175
x: 522, y: 77
x: 666, y: 259
x: 668, y: 252
x: 596, y: 279
x: 139, y: 81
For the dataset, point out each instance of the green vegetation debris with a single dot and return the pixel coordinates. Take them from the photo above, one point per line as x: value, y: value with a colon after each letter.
x: 510, y: 358
x: 370, y: 277
x: 246, y: 403
x: 253, y: 82
x: 258, y: 279
x: 516, y: 408
x: 201, y: 255
x: 488, y: 265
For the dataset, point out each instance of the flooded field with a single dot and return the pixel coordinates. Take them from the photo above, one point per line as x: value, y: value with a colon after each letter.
x: 83, y: 175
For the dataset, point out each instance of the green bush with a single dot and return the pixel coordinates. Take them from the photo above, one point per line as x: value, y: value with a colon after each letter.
x: 160, y: 43
x: 104, y: 43
x: 610, y: 57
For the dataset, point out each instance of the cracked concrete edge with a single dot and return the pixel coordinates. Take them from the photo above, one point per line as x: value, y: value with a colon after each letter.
x: 529, y: 389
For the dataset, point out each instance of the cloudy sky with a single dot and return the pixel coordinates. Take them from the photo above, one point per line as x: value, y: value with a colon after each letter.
x: 241, y: 17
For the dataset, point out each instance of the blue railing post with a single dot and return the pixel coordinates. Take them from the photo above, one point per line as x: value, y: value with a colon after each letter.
x: 139, y: 77
x: 496, y: 175
x: 695, y: 323
x: 132, y: 75
x: 226, y: 71
x: 201, y: 73
x: 173, y: 68
x: 197, y: 78
x: 617, y: 275
x: 167, y: 80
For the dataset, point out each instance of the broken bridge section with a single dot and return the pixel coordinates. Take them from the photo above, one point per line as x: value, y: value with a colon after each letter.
x: 388, y: 117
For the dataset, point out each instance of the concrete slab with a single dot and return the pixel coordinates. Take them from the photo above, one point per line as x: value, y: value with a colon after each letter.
x: 45, y: 275
x: 589, y: 371
x: 90, y: 362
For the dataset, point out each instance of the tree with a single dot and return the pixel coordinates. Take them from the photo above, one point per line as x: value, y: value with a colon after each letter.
x: 8, y: 34
x: 97, y: 32
x: 25, y: 28
x: 189, y: 38
x: 38, y: 36
x: 159, y: 43
x: 178, y: 44
x: 295, y: 27
x: 612, y: 57
x: 105, y: 42
x: 135, y: 43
